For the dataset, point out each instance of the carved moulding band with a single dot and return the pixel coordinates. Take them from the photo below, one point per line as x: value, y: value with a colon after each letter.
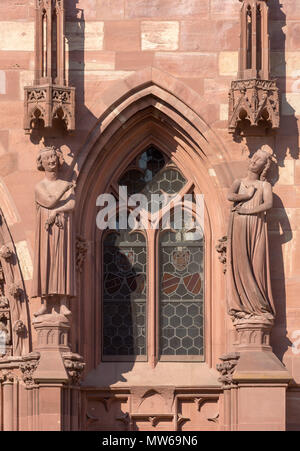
x: 46, y: 103
x: 254, y: 100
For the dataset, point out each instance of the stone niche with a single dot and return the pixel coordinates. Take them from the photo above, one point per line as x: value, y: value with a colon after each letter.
x: 253, y: 98
x: 49, y: 98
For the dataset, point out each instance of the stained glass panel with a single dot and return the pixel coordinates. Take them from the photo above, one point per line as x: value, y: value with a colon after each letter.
x: 181, y: 294
x: 150, y: 176
x: 124, y: 306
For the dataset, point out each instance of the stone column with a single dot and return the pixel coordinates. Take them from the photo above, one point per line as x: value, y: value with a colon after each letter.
x: 261, y: 379
x: 8, y: 398
x: 52, y: 370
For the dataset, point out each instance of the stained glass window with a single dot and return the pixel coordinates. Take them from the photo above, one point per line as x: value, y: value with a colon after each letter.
x: 149, y: 174
x: 181, y: 294
x: 177, y: 300
x: 124, y: 306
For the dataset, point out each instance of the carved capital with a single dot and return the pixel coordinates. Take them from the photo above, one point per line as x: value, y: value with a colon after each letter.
x: 221, y: 248
x: 74, y: 365
x: 15, y: 290
x: 227, y: 367
x: 52, y: 332
x: 7, y: 376
x: 19, y: 327
x: 28, y: 367
x: 254, y: 332
x: 4, y: 303
x: 81, y: 250
x: 6, y: 252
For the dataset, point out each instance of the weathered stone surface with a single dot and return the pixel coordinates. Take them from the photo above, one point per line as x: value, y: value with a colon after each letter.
x: 160, y: 35
x: 89, y: 37
x: 109, y: 9
x: 228, y: 63
x: 286, y: 172
x: 224, y: 112
x: 277, y: 63
x: 122, y: 35
x: 291, y: 104
x: 17, y: 36
x: 206, y: 35
x: 94, y: 61
x: 24, y: 259
x: 292, y: 64
x: 192, y: 64
x: 133, y: 60
x: 167, y: 8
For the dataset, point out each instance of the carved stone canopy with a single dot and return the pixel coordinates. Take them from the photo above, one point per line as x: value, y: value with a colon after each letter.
x: 254, y: 96
x: 254, y: 100
x: 47, y: 103
x: 49, y: 97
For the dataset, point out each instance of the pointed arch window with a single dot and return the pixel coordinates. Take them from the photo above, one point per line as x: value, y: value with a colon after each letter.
x: 153, y: 277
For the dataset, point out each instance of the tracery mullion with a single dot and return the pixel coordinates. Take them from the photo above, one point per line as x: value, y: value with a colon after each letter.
x: 152, y: 298
x: 186, y: 189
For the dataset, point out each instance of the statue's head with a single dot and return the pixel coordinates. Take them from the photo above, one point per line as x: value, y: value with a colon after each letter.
x: 261, y: 161
x: 49, y: 159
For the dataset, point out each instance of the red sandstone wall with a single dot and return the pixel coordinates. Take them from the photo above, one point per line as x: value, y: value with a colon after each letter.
x: 195, y: 41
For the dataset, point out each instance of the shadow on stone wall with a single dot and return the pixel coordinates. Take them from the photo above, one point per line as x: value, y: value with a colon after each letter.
x: 284, y: 143
x: 57, y: 135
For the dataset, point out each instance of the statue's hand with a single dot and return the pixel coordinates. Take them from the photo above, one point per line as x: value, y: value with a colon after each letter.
x: 58, y: 221
x: 50, y: 220
x: 250, y: 191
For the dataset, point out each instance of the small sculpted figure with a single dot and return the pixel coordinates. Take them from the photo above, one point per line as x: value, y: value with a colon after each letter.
x: 249, y: 292
x: 54, y: 263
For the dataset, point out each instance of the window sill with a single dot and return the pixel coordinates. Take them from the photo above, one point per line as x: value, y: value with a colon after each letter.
x: 128, y: 374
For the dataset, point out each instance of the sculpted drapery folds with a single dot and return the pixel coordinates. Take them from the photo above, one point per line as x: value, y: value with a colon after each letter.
x: 54, y: 264
x: 249, y: 292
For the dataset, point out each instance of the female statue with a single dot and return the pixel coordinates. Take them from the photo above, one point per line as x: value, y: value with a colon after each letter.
x: 249, y: 292
x: 54, y: 263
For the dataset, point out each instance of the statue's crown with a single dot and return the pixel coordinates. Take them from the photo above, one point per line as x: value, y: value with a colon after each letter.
x: 47, y: 149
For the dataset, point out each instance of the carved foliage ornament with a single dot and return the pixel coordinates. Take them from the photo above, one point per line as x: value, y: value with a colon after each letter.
x: 221, y: 248
x: 227, y: 367
x: 74, y: 365
x: 7, y: 376
x: 28, y: 367
x: 81, y: 250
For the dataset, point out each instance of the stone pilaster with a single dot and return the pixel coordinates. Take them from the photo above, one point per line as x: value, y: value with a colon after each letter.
x: 261, y: 379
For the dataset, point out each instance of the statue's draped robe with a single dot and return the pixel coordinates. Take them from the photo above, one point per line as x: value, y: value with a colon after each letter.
x: 248, y: 273
x: 54, y: 260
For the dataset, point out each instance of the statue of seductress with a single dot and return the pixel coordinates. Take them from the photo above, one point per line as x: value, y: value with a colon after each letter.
x: 249, y: 294
x: 54, y: 259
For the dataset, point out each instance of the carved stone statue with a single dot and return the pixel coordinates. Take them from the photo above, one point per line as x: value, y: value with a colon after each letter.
x: 54, y: 263
x: 249, y: 292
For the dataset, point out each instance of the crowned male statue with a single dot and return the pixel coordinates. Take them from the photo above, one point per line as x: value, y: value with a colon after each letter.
x: 54, y: 260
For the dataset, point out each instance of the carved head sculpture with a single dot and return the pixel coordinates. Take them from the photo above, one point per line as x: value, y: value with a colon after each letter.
x: 49, y: 159
x: 261, y: 162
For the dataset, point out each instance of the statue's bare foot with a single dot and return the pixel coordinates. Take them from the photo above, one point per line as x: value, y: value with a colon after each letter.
x: 64, y: 310
x: 42, y: 311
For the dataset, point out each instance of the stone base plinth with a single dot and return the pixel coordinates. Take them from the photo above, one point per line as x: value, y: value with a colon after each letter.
x: 260, y: 379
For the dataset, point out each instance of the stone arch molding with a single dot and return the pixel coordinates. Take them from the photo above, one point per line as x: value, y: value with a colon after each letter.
x: 167, y: 95
x: 150, y: 107
x: 14, y: 314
